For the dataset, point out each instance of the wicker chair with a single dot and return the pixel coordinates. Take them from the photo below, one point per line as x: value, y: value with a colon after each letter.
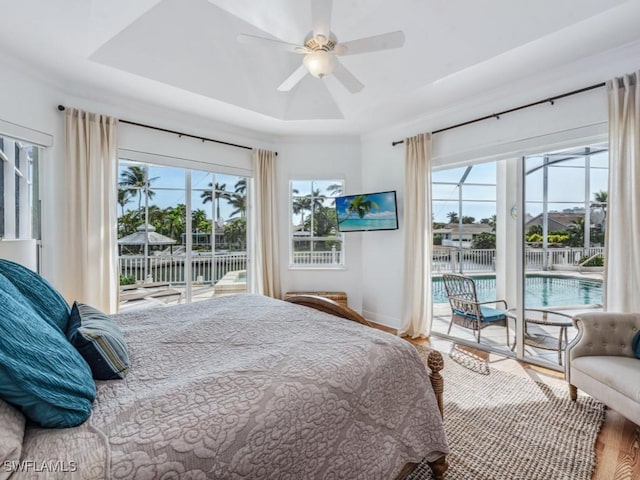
x: 466, y: 311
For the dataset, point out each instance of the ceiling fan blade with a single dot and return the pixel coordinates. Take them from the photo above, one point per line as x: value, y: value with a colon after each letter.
x: 293, y: 79
x: 384, y: 41
x: 346, y: 78
x: 321, y: 18
x: 267, y: 42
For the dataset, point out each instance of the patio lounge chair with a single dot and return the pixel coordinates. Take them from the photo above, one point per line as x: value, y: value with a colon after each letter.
x: 151, y: 290
x: 466, y: 311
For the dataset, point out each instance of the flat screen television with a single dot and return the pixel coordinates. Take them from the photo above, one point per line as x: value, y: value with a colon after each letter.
x: 367, y: 211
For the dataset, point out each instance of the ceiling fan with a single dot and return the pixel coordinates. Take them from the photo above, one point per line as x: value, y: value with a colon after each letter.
x: 321, y: 49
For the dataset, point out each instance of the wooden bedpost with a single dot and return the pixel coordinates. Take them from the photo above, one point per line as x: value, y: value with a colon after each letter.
x: 439, y: 467
x: 435, y: 362
x: 573, y: 392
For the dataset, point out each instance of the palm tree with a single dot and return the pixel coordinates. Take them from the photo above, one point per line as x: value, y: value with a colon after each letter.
x: 576, y: 233
x: 134, y: 180
x: 199, y: 220
x: 241, y: 186
x: 316, y: 200
x: 220, y: 192
x: 334, y: 189
x: 239, y: 202
x: 301, y: 205
x: 123, y: 198
x: 173, y: 221
x: 601, y: 196
x: 601, y: 199
x: 491, y: 221
x: 360, y: 205
x: 453, y: 217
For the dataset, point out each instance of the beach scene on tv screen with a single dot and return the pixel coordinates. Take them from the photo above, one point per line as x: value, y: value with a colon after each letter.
x: 374, y: 211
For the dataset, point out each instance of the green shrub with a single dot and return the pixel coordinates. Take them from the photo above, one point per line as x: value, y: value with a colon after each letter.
x: 558, y: 238
x: 127, y: 280
x: 594, y: 262
x: 534, y: 237
x: 484, y: 240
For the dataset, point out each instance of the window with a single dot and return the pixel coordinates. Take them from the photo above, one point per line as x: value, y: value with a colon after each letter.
x: 315, y: 240
x: 464, y: 212
x: 182, y: 227
x: 19, y: 208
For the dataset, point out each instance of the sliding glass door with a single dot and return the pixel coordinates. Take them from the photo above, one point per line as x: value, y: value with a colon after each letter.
x: 182, y: 234
x: 565, y: 203
x: 465, y: 223
x: 529, y: 231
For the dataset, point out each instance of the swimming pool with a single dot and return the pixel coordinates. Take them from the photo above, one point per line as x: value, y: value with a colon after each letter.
x: 540, y: 290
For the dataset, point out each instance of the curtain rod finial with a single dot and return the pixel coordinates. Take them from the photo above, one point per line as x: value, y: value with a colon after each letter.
x: 61, y: 108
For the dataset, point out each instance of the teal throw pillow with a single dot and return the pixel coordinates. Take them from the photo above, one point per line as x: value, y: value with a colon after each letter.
x: 40, y: 371
x: 635, y: 344
x: 38, y: 293
x: 100, y: 342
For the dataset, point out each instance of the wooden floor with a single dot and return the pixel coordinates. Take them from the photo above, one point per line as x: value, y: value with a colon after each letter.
x: 618, y: 443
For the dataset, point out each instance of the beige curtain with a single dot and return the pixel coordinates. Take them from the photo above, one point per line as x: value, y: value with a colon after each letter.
x: 622, y: 245
x: 416, y: 305
x: 91, y: 164
x: 265, y: 271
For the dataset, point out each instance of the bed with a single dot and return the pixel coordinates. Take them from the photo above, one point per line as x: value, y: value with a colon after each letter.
x: 248, y: 387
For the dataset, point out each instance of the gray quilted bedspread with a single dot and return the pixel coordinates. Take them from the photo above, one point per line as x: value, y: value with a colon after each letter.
x: 247, y: 387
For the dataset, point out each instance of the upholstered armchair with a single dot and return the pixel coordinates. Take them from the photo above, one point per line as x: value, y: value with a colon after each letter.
x: 601, y: 361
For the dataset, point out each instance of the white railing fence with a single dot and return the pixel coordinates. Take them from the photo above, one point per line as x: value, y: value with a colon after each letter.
x: 465, y: 260
x: 483, y: 260
x: 207, y: 268
x: 332, y: 257
x: 170, y: 268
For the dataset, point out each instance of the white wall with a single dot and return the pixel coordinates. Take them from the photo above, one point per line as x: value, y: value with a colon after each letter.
x: 320, y: 158
x: 28, y: 101
x: 573, y: 119
x: 373, y: 277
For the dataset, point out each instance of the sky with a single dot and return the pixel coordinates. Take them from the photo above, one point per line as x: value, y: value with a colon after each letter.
x: 566, y: 187
x: 169, y: 188
x: 386, y: 203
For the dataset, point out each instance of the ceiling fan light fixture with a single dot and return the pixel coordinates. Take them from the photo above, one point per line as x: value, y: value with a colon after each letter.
x: 320, y: 63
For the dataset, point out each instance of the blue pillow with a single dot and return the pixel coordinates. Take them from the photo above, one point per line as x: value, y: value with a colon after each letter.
x: 40, y: 371
x: 635, y: 344
x: 100, y: 342
x: 38, y: 293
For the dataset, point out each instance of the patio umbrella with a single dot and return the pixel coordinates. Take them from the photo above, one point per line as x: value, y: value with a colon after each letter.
x: 146, y: 234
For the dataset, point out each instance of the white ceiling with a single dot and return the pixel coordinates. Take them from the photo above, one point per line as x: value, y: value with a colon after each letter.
x: 183, y: 54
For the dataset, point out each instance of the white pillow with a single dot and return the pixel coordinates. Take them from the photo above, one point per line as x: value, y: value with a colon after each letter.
x: 12, y: 424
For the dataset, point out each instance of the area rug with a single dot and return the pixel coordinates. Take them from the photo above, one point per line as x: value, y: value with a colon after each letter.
x: 505, y: 427
x: 469, y: 360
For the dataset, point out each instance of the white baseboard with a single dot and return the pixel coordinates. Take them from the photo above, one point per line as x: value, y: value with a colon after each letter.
x: 384, y: 320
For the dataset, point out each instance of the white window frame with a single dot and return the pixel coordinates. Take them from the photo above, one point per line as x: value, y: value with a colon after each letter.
x: 18, y: 228
x: 339, y: 237
x: 151, y: 159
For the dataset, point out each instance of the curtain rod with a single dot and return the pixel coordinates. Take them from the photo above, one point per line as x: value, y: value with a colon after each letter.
x: 175, y: 132
x: 550, y: 100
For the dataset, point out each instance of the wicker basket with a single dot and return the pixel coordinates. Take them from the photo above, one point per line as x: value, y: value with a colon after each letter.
x: 338, y: 297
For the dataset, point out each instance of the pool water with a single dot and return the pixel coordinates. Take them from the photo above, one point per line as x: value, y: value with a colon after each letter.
x: 540, y: 290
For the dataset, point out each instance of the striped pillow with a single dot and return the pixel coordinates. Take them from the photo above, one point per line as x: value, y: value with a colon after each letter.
x: 100, y: 342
